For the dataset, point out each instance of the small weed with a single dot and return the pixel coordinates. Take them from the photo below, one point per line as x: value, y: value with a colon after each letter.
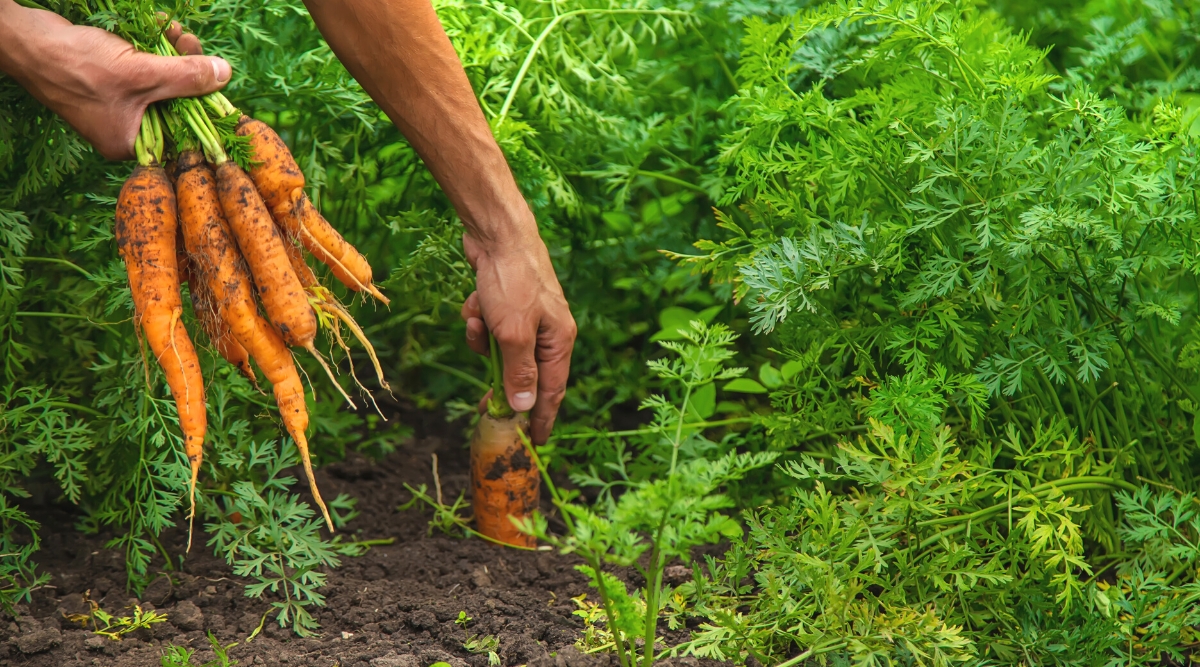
x: 488, y: 644
x: 181, y: 656
x: 595, y: 637
x: 115, y: 627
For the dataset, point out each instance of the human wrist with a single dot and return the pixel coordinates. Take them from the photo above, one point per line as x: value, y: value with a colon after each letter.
x: 505, y: 232
x: 15, y: 40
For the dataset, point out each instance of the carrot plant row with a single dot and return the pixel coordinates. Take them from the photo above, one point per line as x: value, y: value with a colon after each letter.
x: 218, y: 201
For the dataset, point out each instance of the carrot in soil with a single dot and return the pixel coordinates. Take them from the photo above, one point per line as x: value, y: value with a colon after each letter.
x: 281, y: 183
x: 211, y: 242
x: 145, y: 231
x: 505, y: 481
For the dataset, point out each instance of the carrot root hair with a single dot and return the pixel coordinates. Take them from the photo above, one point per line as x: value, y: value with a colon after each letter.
x: 337, y: 336
x: 338, y: 311
x: 312, y: 349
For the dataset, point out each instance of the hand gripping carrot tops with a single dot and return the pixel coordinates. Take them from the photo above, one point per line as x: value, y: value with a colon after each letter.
x: 243, y: 238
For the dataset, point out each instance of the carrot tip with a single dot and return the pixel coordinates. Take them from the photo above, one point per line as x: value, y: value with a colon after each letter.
x: 374, y: 291
x: 302, y: 445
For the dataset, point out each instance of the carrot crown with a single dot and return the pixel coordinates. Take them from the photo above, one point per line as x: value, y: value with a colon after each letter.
x: 148, y: 146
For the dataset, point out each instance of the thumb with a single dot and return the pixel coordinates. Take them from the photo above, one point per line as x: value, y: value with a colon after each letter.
x: 169, y: 77
x: 520, y: 366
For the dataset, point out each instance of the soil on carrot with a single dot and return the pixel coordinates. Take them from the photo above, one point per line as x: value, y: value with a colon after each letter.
x: 395, y: 606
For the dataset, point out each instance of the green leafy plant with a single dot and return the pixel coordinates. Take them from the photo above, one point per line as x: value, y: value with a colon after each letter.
x: 925, y: 550
x: 276, y: 539
x: 34, y: 427
x: 659, y: 518
x: 990, y: 265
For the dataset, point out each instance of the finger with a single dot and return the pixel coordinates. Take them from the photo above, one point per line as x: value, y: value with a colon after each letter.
x: 477, y: 336
x: 189, y: 45
x: 187, y: 76
x: 470, y: 307
x: 554, y: 367
x: 173, y: 31
x: 483, y: 402
x: 517, y: 346
x: 476, y: 330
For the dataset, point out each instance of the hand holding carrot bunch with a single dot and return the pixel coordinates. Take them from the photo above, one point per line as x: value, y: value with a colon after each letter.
x: 235, y: 229
x: 241, y: 238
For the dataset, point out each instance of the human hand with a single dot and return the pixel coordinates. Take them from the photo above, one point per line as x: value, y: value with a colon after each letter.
x: 97, y: 81
x: 519, y: 301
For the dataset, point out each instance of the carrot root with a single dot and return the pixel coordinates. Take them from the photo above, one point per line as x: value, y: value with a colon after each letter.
x: 312, y: 349
x: 262, y: 246
x: 302, y: 445
x: 146, y: 229
x: 504, y: 479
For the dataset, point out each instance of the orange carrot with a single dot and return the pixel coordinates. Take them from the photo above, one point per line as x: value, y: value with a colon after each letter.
x: 275, y: 171
x: 327, y: 303
x: 205, y: 308
x: 262, y: 246
x: 281, y: 184
x: 211, y: 242
x: 145, y: 231
x: 304, y: 274
x: 504, y: 480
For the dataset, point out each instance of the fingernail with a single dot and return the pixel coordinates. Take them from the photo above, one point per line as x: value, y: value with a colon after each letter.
x: 522, y: 401
x: 221, y: 70
x: 471, y: 335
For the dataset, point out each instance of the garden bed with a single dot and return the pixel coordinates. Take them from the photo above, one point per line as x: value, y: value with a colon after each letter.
x: 395, y: 606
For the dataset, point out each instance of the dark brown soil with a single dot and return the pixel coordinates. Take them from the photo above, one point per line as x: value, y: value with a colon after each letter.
x: 393, y: 607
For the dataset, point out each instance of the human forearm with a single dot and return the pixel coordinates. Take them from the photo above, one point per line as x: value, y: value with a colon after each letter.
x: 399, y: 54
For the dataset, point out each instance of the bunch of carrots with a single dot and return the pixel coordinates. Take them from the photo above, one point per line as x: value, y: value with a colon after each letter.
x: 238, y: 235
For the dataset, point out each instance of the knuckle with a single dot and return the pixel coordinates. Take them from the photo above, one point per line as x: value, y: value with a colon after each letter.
x: 513, y: 336
x: 522, y: 375
x: 202, y: 72
x: 552, y: 395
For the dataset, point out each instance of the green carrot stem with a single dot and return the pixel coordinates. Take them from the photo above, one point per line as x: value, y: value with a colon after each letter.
x: 139, y: 148
x: 219, y: 104
x: 195, y: 118
x: 498, y: 406
x: 156, y: 126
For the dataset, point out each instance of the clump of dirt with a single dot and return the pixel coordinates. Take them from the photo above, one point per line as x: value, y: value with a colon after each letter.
x: 393, y: 607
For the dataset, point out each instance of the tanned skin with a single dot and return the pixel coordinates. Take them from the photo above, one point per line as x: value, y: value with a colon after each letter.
x: 398, y: 52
